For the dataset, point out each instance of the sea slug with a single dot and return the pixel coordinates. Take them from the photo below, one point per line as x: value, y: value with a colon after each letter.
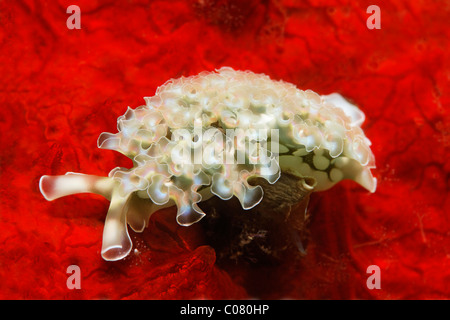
x: 207, y: 135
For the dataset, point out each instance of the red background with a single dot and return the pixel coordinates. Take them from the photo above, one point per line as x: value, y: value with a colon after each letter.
x: 60, y: 88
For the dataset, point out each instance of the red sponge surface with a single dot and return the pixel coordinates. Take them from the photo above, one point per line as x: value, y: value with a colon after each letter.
x: 60, y: 88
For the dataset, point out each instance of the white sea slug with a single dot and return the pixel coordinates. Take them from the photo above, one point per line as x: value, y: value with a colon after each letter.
x: 183, y: 152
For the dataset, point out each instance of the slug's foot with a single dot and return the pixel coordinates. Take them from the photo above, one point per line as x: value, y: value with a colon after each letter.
x: 266, y: 234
